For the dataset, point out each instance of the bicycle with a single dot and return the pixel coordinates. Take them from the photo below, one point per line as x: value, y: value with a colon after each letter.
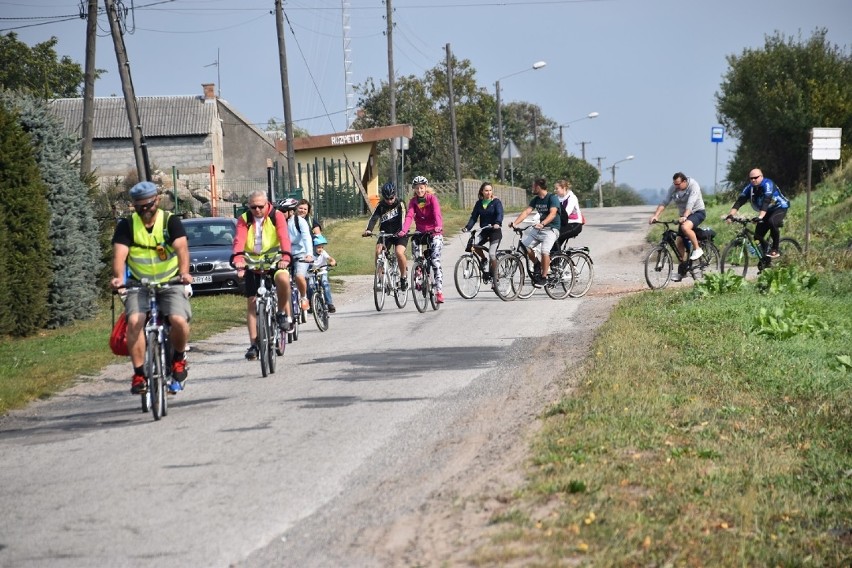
x: 295, y: 304
x: 659, y: 265
x: 319, y: 307
x: 158, y: 350
x: 513, y: 266
x: 270, y: 340
x: 423, y: 285
x: 744, y: 249
x: 387, y: 278
x: 584, y: 269
x: 469, y: 273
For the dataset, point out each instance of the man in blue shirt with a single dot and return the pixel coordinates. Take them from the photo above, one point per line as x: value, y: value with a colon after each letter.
x: 769, y: 202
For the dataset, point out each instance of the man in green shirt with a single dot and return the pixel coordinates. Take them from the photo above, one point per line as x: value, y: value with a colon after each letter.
x: 546, y: 231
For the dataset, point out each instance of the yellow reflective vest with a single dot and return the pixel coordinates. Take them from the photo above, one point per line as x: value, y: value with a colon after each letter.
x: 150, y: 256
x: 268, y: 235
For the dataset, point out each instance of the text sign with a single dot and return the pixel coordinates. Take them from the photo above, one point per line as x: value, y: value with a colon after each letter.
x: 717, y: 134
x: 825, y: 143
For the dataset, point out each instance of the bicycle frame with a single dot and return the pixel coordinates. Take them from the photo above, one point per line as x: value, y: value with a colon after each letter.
x: 269, y: 339
x: 423, y: 283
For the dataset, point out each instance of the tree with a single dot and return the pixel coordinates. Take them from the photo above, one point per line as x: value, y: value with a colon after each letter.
x: 770, y: 99
x: 73, y: 230
x: 273, y: 125
x: 38, y: 70
x: 25, y: 254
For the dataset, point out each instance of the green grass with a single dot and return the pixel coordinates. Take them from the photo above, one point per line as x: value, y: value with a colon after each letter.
x: 36, y: 367
x: 691, y: 438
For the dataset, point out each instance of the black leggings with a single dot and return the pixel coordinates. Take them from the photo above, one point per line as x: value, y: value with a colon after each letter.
x: 772, y: 223
x: 570, y: 230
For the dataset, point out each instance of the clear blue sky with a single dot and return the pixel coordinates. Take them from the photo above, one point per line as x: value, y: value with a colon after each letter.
x: 649, y: 67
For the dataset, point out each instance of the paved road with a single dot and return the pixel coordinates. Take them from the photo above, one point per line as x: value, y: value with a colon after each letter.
x: 242, y: 468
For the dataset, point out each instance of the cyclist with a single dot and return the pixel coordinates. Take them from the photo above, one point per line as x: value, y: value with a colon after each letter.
x: 489, y: 211
x: 301, y: 246
x: 322, y: 260
x: 771, y: 206
x: 260, y: 229
x: 686, y: 193
x: 152, y: 244
x: 570, y: 216
x: 425, y: 210
x: 546, y: 231
x: 304, y: 210
x: 389, y: 213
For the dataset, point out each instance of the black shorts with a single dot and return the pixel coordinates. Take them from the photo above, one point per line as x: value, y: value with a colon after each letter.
x: 490, y: 235
x: 253, y: 282
x: 394, y: 241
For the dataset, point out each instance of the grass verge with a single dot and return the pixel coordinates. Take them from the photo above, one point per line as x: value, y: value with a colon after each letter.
x: 696, y: 439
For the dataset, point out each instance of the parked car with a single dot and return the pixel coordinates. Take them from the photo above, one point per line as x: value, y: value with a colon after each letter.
x: 210, y: 241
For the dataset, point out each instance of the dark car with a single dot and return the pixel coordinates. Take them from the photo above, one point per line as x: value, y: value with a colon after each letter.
x: 210, y: 242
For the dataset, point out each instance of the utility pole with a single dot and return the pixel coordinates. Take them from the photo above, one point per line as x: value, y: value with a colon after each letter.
x: 391, y: 89
x: 140, y: 148
x: 582, y: 145
x: 285, y: 91
x: 600, y: 180
x: 89, y: 90
x: 459, y: 184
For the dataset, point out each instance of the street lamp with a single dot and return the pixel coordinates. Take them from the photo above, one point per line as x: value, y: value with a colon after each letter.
x: 535, y: 66
x: 630, y: 157
x: 562, y: 144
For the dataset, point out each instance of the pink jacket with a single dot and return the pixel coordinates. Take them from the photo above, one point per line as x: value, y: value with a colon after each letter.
x: 427, y: 218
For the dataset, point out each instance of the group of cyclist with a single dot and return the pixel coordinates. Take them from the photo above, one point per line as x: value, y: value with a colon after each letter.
x: 762, y: 193
x: 151, y: 244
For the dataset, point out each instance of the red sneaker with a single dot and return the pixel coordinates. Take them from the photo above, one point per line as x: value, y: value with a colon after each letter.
x: 440, y: 297
x: 179, y: 371
x: 138, y: 385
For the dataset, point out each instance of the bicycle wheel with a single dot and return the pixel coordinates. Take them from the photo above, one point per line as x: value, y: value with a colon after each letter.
x: 156, y: 378
x: 789, y: 249
x: 527, y: 286
x: 419, y: 285
x: 736, y: 257
x: 709, y: 261
x: 272, y: 334
x: 561, y: 277
x: 320, y: 310
x: 467, y: 276
x: 379, y: 285
x: 510, y: 278
x: 658, y: 267
x: 584, y: 272
x: 263, y: 337
x: 400, y: 296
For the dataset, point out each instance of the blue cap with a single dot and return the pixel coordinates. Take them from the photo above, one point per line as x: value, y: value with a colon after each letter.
x: 142, y: 190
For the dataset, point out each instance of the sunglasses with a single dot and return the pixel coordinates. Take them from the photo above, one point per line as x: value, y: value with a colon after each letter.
x: 754, y: 177
x: 256, y: 206
x: 145, y: 206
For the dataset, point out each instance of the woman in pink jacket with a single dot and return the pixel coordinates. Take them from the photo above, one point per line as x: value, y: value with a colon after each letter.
x: 425, y: 211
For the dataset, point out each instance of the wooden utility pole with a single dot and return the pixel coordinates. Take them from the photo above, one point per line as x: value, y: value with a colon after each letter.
x: 285, y: 91
x: 456, y: 161
x: 140, y: 149
x: 391, y: 89
x: 89, y: 90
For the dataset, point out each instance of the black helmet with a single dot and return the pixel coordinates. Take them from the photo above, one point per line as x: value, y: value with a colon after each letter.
x: 389, y: 191
x: 288, y: 204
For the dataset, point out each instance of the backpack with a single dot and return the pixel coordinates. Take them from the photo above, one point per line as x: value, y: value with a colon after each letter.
x: 272, y: 218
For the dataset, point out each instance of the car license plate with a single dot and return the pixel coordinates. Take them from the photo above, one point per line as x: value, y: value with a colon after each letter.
x: 202, y: 279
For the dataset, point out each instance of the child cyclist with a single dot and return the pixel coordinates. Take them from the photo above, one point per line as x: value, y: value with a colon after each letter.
x: 322, y: 260
x: 425, y: 211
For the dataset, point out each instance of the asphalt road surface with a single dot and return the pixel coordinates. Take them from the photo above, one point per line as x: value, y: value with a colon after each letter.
x: 360, y: 427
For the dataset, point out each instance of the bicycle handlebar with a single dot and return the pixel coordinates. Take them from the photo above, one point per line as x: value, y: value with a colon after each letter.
x: 742, y: 220
x: 146, y: 283
x: 266, y: 260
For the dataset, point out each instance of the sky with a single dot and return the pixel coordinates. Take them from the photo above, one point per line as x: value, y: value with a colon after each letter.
x: 650, y: 68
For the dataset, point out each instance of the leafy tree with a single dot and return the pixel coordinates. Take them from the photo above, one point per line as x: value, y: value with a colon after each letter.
x: 771, y: 97
x: 272, y: 125
x: 73, y: 229
x: 622, y: 195
x: 38, y: 69
x: 25, y: 255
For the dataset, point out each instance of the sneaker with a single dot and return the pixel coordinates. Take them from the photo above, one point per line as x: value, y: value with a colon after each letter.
x: 486, y: 277
x: 252, y: 352
x: 773, y: 254
x: 305, y: 304
x: 174, y: 386
x: 331, y: 308
x: 538, y: 279
x: 138, y: 385
x: 696, y: 254
x: 179, y: 371
x: 403, y: 285
x: 282, y: 320
x: 440, y: 297
x: 677, y: 277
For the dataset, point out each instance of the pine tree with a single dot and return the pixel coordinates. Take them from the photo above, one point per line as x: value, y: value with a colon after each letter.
x: 26, y: 250
x: 73, y: 229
